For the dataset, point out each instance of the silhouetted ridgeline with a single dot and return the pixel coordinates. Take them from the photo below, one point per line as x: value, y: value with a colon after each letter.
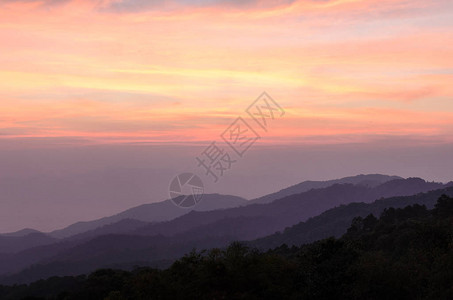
x: 334, y: 222
x: 130, y: 242
x: 405, y: 254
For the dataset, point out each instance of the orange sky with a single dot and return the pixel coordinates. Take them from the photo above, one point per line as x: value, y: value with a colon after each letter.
x: 175, y: 71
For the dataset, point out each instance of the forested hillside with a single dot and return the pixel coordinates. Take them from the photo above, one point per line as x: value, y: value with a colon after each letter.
x: 406, y: 253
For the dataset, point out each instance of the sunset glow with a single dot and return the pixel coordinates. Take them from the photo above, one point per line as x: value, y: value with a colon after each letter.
x: 159, y: 71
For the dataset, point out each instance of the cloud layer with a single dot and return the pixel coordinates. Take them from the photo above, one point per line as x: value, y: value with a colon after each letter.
x: 172, y: 71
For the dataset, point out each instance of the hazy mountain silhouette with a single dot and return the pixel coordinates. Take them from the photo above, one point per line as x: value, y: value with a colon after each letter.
x: 123, y: 222
x: 405, y: 253
x: 14, y: 243
x: 22, y: 232
x: 127, y: 242
x: 153, y: 212
x: 295, y: 208
x: 369, y: 180
x: 120, y: 227
x: 165, y: 210
x: 334, y: 222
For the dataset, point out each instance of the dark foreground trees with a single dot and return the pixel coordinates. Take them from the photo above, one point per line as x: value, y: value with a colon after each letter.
x: 405, y: 254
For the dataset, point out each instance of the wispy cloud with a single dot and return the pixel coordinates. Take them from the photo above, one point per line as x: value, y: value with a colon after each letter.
x: 339, y: 68
x: 143, y: 5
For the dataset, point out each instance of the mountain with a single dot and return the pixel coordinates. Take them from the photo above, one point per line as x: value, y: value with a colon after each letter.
x: 405, y: 253
x: 123, y: 222
x: 294, y: 208
x: 121, y: 227
x: 153, y: 212
x: 128, y: 242
x: 16, y: 243
x: 166, y: 210
x: 334, y: 222
x: 370, y: 180
x: 23, y: 232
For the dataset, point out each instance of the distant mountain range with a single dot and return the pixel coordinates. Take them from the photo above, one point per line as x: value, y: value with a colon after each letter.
x: 140, y: 216
x: 370, y: 180
x: 153, y: 212
x: 291, y: 209
x: 334, y: 222
x: 141, y: 236
x: 165, y: 210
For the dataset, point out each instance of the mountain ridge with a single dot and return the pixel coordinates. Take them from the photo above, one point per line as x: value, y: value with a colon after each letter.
x: 165, y: 240
x: 361, y: 179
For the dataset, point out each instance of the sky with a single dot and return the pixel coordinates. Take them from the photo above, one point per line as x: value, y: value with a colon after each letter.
x: 107, y: 90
